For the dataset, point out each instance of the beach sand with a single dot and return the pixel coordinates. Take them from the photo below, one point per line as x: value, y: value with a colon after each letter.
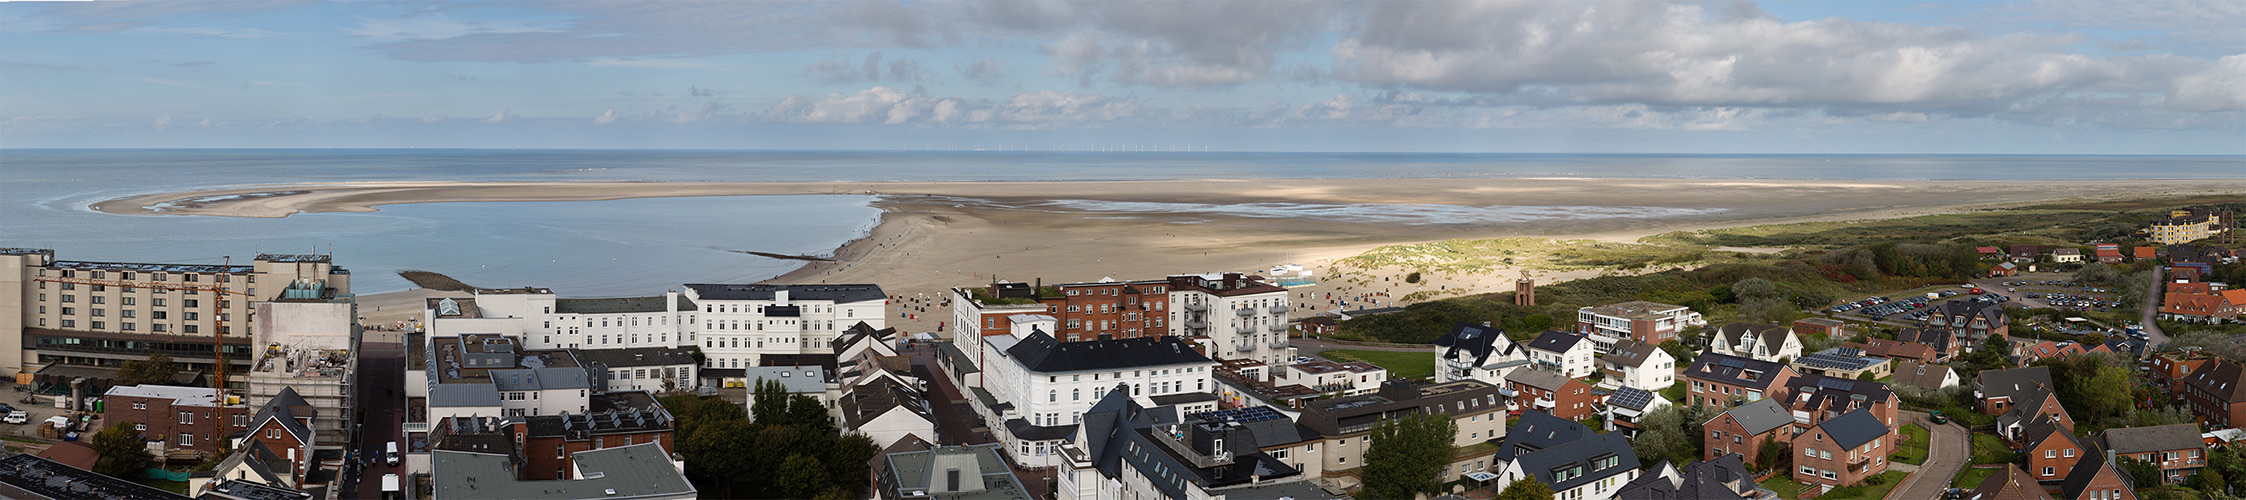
x: 938, y: 235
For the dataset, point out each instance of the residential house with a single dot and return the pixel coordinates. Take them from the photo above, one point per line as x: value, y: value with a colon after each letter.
x: 2197, y: 308
x: 1648, y: 322
x: 1816, y: 398
x: 2065, y: 255
x: 1898, y: 350
x: 1755, y: 341
x: 1344, y: 424
x: 1347, y: 379
x: 2109, y: 253
x: 2168, y: 369
x: 2019, y: 397
x: 1563, y: 353
x: 1924, y: 376
x: 2176, y: 449
x: 1478, y: 352
x: 1724, y: 478
x: 2026, y: 253
x: 1830, y: 328
x: 2092, y: 478
x: 2144, y: 252
x: 2004, y: 269
x: 1319, y: 325
x: 1124, y: 450
x: 1842, y: 451
x: 1844, y: 363
x: 2052, y: 450
x: 185, y: 420
x: 1970, y: 322
x: 1561, y: 396
x: 2026, y: 353
x: 1629, y: 404
x: 1573, y: 461
x: 2217, y: 393
x: 2009, y: 484
x: 1744, y: 429
x: 889, y: 412
x: 1720, y: 381
x: 1944, y: 343
x: 280, y: 436
x: 972, y: 472
x: 1638, y: 364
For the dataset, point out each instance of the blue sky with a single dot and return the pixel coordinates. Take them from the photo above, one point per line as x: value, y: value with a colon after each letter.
x: 2068, y: 76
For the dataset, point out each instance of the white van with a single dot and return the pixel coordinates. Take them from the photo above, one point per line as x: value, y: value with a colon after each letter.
x: 390, y: 487
x: 390, y: 454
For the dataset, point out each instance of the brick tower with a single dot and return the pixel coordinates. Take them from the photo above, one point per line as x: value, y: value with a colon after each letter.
x: 1524, y: 290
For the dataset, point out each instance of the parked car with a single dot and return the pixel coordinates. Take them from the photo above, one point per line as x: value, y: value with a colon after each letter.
x: 17, y: 417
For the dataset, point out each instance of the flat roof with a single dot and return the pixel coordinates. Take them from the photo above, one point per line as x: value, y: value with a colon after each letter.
x: 638, y: 470
x: 197, y: 396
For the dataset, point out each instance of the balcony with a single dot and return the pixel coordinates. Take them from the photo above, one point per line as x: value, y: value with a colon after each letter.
x: 1246, y: 329
x: 1245, y: 311
x: 1276, y: 309
x: 1196, y: 324
x: 1249, y: 346
x: 1196, y: 306
x: 1278, y: 328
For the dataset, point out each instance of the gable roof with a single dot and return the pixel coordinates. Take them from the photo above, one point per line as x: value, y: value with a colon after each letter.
x: 1768, y: 338
x: 2222, y: 379
x: 1960, y: 314
x: 2126, y: 440
x: 1724, y: 478
x: 258, y: 471
x: 1912, y: 373
x: 2087, y: 468
x: 1039, y: 352
x: 1555, y: 341
x: 2046, y: 429
x: 1853, y: 429
x: 280, y: 411
x: 1632, y: 353
x: 1539, y: 379
x: 1734, y: 370
x: 2011, y: 484
x: 870, y: 401
x: 1474, y: 341
x: 1899, y: 349
x: 1537, y: 430
x: 1760, y: 416
x: 1819, y: 392
x: 1936, y: 338
x: 2025, y: 386
x: 1585, y: 453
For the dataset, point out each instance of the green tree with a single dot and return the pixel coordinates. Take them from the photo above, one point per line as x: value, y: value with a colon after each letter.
x: 808, y: 413
x: 1527, y: 488
x: 800, y: 477
x: 1412, y: 278
x: 846, y: 464
x: 124, y: 454
x: 2097, y: 273
x: 1758, y: 299
x: 2139, y: 471
x: 1537, y: 322
x: 721, y: 456
x: 156, y: 370
x: 2093, y: 388
x: 1408, y: 454
x: 1671, y: 433
x: 768, y: 403
x: 1767, y: 458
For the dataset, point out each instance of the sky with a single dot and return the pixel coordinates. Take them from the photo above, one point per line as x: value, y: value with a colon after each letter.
x: 1583, y: 76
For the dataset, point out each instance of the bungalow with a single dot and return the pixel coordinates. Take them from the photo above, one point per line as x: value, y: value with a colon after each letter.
x: 2065, y: 255
x: 1990, y: 253
x: 2176, y: 449
x: 1755, y: 341
x: 1627, y: 405
x: 2146, y: 252
x: 2004, y: 270
x: 1842, y: 451
x: 1561, y: 396
x: 1638, y: 364
x: 1924, y: 376
x: 1743, y: 430
x: 1720, y: 381
x: 1562, y: 353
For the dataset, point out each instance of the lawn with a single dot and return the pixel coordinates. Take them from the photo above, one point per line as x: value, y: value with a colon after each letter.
x: 1400, y: 365
x: 1675, y: 393
x: 1912, y: 450
x: 179, y: 487
x: 1971, y: 477
x: 1787, y: 489
x: 1987, y: 449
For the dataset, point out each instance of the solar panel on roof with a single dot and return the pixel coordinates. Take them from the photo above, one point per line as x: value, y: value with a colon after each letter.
x: 1732, y: 362
x: 1830, y: 383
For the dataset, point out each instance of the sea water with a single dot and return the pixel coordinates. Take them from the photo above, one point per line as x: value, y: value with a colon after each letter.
x: 643, y: 246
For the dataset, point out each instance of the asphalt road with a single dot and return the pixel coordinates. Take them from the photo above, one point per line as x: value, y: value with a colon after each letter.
x: 1948, y: 448
x: 382, y: 360
x: 2152, y: 308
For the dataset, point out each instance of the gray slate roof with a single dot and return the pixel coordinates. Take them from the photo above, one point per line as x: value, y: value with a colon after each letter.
x: 1853, y: 429
x: 1761, y: 416
x: 1734, y: 370
x: 1721, y: 479
x: 1538, y: 430
x: 1583, y: 453
x: 1537, y: 378
x: 451, y: 395
x: 836, y: 293
x: 633, y: 471
x: 1474, y: 341
x: 2128, y: 440
x: 2026, y: 386
x: 618, y: 305
x: 1911, y: 373
x: 1039, y: 352
x: 1555, y: 341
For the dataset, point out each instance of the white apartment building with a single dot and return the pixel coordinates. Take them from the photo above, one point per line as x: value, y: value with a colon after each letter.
x: 1242, y: 318
x: 486, y: 375
x: 1638, y: 365
x: 549, y: 322
x: 1347, y: 379
x: 1648, y: 322
x: 1036, y: 389
x: 740, y: 324
x: 1563, y: 353
x: 85, y: 318
x: 1477, y: 352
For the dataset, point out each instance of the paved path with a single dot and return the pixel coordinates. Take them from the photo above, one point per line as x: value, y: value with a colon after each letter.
x: 2152, y: 308
x: 1948, y: 448
x: 382, y: 359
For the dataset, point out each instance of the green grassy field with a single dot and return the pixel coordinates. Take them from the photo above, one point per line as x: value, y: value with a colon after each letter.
x: 1912, y: 451
x: 1400, y: 365
x: 1987, y: 449
x: 1787, y: 489
x: 1971, y: 477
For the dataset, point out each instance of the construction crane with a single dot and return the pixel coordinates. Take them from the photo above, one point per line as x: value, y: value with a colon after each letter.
x: 218, y: 334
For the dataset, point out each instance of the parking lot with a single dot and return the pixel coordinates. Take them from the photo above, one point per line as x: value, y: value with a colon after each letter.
x: 2052, y: 290
x: 38, y: 413
x: 1913, y: 307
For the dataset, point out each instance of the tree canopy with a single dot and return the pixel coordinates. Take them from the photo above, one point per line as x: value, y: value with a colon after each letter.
x: 790, y: 451
x: 1671, y: 433
x: 1407, y: 455
x: 156, y: 370
x: 124, y: 454
x: 1528, y: 488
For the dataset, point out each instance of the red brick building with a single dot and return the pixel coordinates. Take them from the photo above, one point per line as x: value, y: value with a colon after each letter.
x: 1830, y: 328
x: 614, y: 419
x: 2094, y: 479
x: 1896, y: 349
x: 185, y: 419
x: 2217, y: 393
x: 1560, y: 396
x: 1717, y: 380
x: 2176, y: 449
x: 281, y: 433
x: 2052, y: 450
x: 1084, y: 311
x: 1743, y: 430
x: 1842, y: 451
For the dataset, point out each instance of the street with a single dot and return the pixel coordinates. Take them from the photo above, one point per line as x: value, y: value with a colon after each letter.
x: 1948, y: 446
x: 2152, y: 309
x: 382, y: 359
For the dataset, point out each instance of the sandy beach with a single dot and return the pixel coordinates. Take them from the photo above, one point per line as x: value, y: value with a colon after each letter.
x: 937, y: 235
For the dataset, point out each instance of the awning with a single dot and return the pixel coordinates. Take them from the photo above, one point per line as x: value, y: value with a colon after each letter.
x: 1481, y: 476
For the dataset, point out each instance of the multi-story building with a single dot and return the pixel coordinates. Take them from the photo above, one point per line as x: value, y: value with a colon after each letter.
x: 277, y: 448
x: 972, y: 472
x: 306, y: 342
x: 188, y: 420
x: 626, y: 418
x: 1240, y: 316
x: 1083, y: 311
x: 1344, y: 424
x: 1561, y: 396
x: 2094, y: 479
x: 2019, y: 397
x: 1647, y: 322
x: 742, y: 325
x: 486, y: 375
x: 1562, y: 353
x: 1755, y: 341
x: 2051, y: 449
x: 102, y: 314
x: 2186, y: 225
x: 1036, y: 389
x: 651, y: 369
x: 1843, y: 362
x: 2176, y: 449
x: 1347, y: 379
x: 1721, y: 381
x: 2216, y: 392
x: 810, y: 381
x: 1565, y: 456
x: 1937, y: 338
x: 1477, y: 352
x: 1842, y: 451
x: 544, y: 321
x: 1743, y: 430
x: 1637, y: 364
x: 1123, y: 451
x: 1817, y: 398
x: 644, y: 471
x: 1629, y: 404
x: 889, y: 412
x: 1970, y: 323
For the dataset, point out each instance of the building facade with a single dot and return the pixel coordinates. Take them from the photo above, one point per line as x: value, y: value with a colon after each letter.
x: 1648, y: 322
x: 190, y: 420
x: 742, y: 324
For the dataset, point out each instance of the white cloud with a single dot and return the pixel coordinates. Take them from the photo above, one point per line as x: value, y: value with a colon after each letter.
x: 501, y: 117
x: 437, y: 27
x: 606, y: 117
x: 885, y: 105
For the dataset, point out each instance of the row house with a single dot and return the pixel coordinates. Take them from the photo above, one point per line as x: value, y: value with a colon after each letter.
x: 1561, y: 396
x: 1743, y: 430
x: 1755, y: 341
x: 1566, y: 456
x: 2217, y: 393
x: 276, y: 450
x: 1648, y: 322
x: 1562, y: 353
x: 1720, y: 381
x: 1638, y: 365
x: 1478, y: 352
x: 2176, y: 449
x: 743, y: 326
x: 1842, y: 451
x: 2198, y: 308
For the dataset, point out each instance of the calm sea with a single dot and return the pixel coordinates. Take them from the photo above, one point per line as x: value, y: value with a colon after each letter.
x: 630, y: 247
